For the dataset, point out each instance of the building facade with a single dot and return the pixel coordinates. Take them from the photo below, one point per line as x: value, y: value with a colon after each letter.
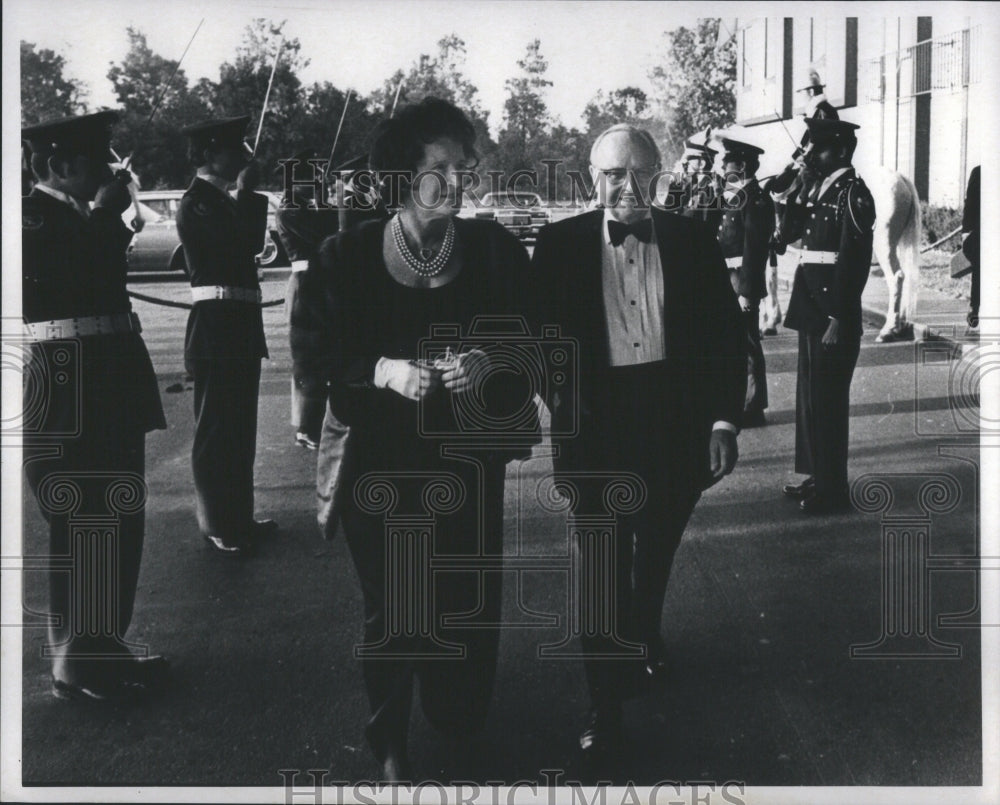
x: 913, y: 84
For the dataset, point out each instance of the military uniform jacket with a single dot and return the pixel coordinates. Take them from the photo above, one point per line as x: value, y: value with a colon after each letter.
x: 303, y: 227
x: 703, y: 199
x: 744, y: 232
x: 72, y: 268
x: 221, y: 237
x: 840, y: 221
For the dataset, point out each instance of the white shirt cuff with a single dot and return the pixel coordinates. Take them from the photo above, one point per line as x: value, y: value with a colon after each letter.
x: 721, y: 425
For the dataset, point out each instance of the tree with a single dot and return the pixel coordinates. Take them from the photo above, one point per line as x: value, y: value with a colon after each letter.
x: 45, y: 91
x: 695, y: 84
x: 157, y: 147
x: 242, y: 87
x: 626, y: 105
x: 526, y: 115
x: 439, y: 76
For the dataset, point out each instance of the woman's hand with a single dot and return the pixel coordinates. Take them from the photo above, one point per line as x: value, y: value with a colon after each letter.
x: 407, y: 378
x: 465, y: 371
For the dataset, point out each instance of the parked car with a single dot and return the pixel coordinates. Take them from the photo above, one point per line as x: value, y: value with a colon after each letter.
x: 520, y: 212
x: 157, y: 247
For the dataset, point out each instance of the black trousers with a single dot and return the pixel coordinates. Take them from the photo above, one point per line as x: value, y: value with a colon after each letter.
x: 306, y: 412
x: 822, y: 411
x: 756, y: 399
x: 636, y: 413
x: 225, y: 443
x: 407, y: 599
x: 93, y: 498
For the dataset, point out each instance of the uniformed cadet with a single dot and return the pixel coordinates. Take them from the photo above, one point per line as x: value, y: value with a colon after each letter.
x: 224, y: 344
x: 702, y: 190
x: 744, y: 235
x: 834, y: 215
x: 302, y: 224
x: 90, y: 398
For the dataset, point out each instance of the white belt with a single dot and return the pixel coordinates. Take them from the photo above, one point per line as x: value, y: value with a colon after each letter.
x: 817, y: 257
x: 203, y: 293
x: 55, y: 329
x: 299, y: 265
x: 734, y: 262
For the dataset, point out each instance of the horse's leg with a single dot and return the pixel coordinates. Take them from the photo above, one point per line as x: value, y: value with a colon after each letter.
x: 771, y: 309
x: 888, y: 258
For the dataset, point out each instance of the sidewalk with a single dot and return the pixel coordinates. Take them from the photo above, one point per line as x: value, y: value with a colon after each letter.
x: 938, y: 316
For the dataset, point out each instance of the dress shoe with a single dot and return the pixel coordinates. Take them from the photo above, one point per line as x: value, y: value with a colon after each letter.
x: 227, y: 546
x: 754, y: 419
x: 800, y: 491
x: 657, y: 666
x: 825, y: 504
x: 109, y: 691
x: 601, y: 740
x: 148, y: 672
x: 303, y: 439
x: 769, y: 331
x: 264, y: 528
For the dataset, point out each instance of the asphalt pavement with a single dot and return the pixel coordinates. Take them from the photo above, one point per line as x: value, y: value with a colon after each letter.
x: 763, y: 609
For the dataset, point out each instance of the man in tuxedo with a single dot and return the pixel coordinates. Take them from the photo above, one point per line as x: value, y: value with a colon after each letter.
x: 659, y: 387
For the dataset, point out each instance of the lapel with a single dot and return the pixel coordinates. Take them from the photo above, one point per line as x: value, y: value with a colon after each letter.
x: 586, y: 297
x: 672, y: 244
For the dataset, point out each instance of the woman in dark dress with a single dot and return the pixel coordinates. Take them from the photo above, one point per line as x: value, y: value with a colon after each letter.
x: 386, y: 327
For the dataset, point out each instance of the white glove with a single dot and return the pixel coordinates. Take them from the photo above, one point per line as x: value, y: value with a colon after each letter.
x: 466, y: 371
x: 407, y: 378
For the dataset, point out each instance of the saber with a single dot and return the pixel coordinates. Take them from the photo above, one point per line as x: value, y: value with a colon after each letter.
x: 159, y: 100
x: 340, y: 125
x: 396, y: 99
x: 267, y: 95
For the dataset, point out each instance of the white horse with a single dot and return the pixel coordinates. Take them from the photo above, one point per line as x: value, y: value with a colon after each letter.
x: 897, y: 247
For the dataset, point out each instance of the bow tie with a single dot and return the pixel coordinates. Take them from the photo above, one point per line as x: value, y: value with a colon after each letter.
x: 617, y: 231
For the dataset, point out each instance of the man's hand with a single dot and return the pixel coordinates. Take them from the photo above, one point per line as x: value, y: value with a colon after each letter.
x: 466, y: 371
x: 723, y: 453
x: 745, y: 305
x: 113, y: 196
x: 407, y: 378
x: 832, y: 335
x: 249, y: 177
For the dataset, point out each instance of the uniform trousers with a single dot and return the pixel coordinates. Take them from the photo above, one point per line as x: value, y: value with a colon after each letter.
x: 455, y: 691
x: 636, y: 429
x: 822, y: 411
x: 756, y: 399
x: 93, y: 498
x: 225, y: 443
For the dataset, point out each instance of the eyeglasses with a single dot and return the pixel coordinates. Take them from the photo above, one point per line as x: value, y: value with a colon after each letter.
x: 618, y: 176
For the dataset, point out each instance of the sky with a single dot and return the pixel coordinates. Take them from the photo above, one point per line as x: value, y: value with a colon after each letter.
x: 361, y: 43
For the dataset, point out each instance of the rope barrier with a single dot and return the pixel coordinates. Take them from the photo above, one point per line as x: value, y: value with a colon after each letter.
x: 187, y: 305
x: 949, y: 236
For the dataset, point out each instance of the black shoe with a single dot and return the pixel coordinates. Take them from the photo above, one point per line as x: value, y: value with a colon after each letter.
x: 769, y: 331
x: 754, y: 419
x: 303, y: 439
x: 151, y: 673
x: 800, y: 491
x: 227, y: 546
x: 601, y: 740
x: 107, y: 691
x: 263, y: 528
x: 657, y: 667
x: 825, y: 504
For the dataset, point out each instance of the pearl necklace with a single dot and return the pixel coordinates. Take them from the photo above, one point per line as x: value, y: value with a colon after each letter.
x: 419, y: 266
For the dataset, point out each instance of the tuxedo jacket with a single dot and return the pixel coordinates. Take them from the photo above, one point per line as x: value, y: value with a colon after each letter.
x: 704, y: 337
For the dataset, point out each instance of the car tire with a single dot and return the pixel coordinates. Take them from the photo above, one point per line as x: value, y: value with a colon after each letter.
x: 178, y: 263
x: 271, y: 253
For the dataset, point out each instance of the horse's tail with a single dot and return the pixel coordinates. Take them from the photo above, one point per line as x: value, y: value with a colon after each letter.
x: 908, y: 250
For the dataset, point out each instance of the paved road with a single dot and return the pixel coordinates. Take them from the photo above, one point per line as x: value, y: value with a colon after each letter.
x: 761, y: 614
